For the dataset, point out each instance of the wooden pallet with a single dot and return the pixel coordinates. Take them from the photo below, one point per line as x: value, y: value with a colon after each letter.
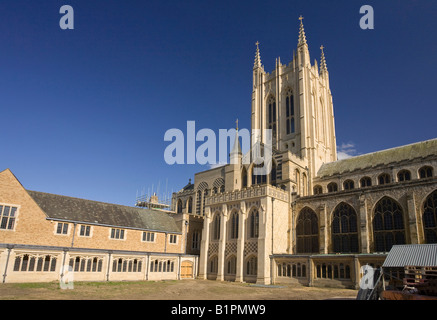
x: 424, y: 279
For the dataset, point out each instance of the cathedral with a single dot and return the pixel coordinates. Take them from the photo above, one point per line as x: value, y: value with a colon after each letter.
x: 310, y: 219
x: 313, y: 219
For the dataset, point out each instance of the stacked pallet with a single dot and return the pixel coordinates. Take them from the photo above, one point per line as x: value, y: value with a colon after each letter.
x: 424, y: 279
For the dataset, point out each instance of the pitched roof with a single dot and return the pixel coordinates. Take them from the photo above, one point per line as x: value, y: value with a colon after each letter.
x: 408, y: 152
x: 420, y: 255
x: 101, y: 213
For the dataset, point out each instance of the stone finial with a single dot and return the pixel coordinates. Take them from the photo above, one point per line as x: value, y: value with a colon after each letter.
x: 323, y: 66
x: 302, y: 37
x: 257, y: 63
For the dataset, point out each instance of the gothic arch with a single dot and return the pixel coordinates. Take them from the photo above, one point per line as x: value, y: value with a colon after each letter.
x: 189, y: 204
x: 179, y: 206
x: 219, y: 183
x: 216, y: 226
x: 244, y: 177
x: 429, y: 217
x: 231, y: 265
x: 212, y: 266
x: 251, y: 265
x: 307, y: 231
x: 202, y: 186
x: 344, y: 229
x: 425, y: 172
x: 388, y: 223
x: 233, y: 224
x: 253, y: 223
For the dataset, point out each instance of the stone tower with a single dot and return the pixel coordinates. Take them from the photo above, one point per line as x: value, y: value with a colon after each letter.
x: 295, y: 101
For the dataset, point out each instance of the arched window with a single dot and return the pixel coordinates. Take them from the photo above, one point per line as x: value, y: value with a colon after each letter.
x: 254, y: 224
x: 216, y: 227
x: 332, y: 187
x: 289, y: 107
x: 404, y: 175
x: 196, y: 240
x: 190, y: 205
x: 307, y: 232
x: 344, y: 229
x: 388, y: 225
x: 383, y: 178
x: 348, y: 185
x: 425, y: 172
x: 304, y: 184
x: 272, y: 116
x: 318, y: 190
x: 213, y: 264
x: 179, y: 206
x: 365, y: 182
x: 297, y: 177
x: 219, y: 185
x: 252, y: 266
x: 205, y: 194
x: 231, y: 266
x: 430, y: 218
x: 244, y: 178
x: 234, y: 225
x: 273, y: 174
x: 198, y: 201
x: 258, y: 178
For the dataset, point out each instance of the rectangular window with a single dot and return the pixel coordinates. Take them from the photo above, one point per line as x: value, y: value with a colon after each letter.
x: 85, y: 231
x: 149, y: 236
x: 8, y: 215
x: 117, y: 234
x: 62, y: 228
x: 173, y: 238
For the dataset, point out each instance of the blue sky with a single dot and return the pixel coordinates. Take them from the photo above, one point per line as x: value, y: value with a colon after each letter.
x: 84, y: 111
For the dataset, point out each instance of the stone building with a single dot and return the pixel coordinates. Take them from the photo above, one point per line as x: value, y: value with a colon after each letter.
x: 47, y: 237
x: 313, y: 220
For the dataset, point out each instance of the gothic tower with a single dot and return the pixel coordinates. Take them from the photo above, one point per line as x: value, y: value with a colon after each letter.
x: 295, y: 102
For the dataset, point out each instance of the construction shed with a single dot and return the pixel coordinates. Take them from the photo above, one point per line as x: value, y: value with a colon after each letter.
x: 412, y: 270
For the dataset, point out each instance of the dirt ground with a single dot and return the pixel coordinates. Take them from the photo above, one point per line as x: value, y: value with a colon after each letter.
x: 169, y: 290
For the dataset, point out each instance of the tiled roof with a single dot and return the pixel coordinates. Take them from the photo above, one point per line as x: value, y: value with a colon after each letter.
x: 408, y: 152
x: 94, y: 212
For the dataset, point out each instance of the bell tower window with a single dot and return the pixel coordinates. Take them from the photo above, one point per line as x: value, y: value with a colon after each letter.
x: 272, y: 116
x: 289, y: 107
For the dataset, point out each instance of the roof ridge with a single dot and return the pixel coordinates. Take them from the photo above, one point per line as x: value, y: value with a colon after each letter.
x: 83, y: 199
x: 389, y: 149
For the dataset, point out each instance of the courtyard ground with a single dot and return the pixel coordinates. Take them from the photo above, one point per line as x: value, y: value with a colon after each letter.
x: 169, y: 290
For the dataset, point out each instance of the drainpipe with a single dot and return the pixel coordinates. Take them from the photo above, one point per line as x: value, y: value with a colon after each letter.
x: 165, y: 244
x: 147, y: 266
x: 7, y: 261
x: 186, y: 236
x: 179, y: 268
x: 109, y: 265
x: 271, y: 259
x: 63, y: 264
x: 74, y: 232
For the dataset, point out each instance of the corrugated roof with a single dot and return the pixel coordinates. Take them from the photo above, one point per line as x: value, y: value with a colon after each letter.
x: 94, y: 212
x: 421, y: 255
x: 384, y: 157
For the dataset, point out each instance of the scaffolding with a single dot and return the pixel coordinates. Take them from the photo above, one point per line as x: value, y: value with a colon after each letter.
x: 150, y: 200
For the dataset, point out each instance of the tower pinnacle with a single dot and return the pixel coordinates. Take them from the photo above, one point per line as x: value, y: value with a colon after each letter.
x: 323, y: 66
x: 302, y: 37
x: 257, y: 63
